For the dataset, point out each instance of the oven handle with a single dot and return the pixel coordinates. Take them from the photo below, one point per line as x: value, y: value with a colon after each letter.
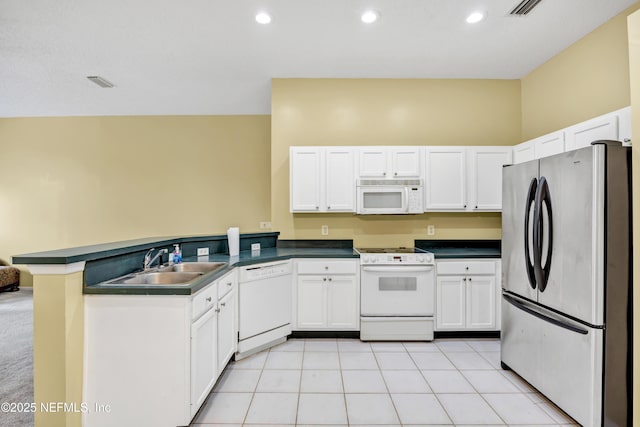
x: 399, y: 268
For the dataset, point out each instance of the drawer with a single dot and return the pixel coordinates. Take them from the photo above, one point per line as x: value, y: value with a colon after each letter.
x: 203, y: 300
x: 466, y: 267
x: 227, y: 283
x: 327, y: 267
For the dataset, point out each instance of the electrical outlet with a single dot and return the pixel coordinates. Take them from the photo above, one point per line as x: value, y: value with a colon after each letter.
x: 324, y: 230
x: 431, y: 230
x: 203, y: 251
x: 265, y: 224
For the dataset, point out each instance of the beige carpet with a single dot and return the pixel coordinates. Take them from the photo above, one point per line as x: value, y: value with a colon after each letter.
x: 16, y: 354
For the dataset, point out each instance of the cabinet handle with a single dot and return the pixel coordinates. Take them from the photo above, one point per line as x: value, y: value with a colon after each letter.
x: 217, y: 310
x: 384, y: 174
x: 326, y: 267
x: 464, y: 279
x: 467, y: 268
x: 469, y: 278
x: 317, y: 207
x: 395, y: 173
x: 329, y: 278
x: 229, y: 284
x: 328, y: 207
x: 223, y: 304
x: 476, y: 206
x: 626, y: 140
x: 324, y: 279
x: 208, y: 299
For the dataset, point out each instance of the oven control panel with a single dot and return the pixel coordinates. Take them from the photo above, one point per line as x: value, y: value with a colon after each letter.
x: 397, y: 259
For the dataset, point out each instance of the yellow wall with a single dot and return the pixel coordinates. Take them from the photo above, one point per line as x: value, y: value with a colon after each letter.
x: 72, y: 181
x: 634, y: 66
x: 588, y: 79
x: 387, y: 112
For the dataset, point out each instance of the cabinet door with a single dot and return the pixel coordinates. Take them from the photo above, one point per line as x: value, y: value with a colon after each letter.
x: 485, y: 179
x: 203, y: 358
x: 305, y: 179
x: 450, y: 302
x: 481, y: 302
x: 523, y: 152
x: 373, y: 162
x: 583, y: 134
x: 340, y: 180
x: 227, y: 337
x: 445, y: 178
x: 312, y: 302
x: 405, y: 162
x: 342, y: 302
x: 548, y: 145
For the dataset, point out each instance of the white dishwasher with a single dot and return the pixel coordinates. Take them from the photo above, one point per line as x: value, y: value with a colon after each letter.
x: 264, y: 301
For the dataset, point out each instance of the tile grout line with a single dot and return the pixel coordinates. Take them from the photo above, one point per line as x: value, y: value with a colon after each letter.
x: 344, y: 390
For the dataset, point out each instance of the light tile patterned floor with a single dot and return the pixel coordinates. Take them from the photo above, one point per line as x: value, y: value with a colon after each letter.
x: 341, y: 382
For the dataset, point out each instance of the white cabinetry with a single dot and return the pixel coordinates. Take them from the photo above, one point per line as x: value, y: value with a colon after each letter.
x: 204, y: 351
x: 583, y: 134
x: 227, y: 318
x: 389, y: 162
x: 168, y: 348
x: 465, y: 178
x: 322, y: 179
x: 327, y: 295
x: 485, y: 178
x: 614, y: 126
x: 445, y: 180
x: 467, y: 295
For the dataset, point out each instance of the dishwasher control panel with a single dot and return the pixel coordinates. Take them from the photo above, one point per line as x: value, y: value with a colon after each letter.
x: 264, y: 271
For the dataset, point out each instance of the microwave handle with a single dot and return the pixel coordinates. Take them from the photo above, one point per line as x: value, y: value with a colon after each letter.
x: 406, y: 199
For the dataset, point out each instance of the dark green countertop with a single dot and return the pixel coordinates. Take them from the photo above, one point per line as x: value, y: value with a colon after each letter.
x: 245, y: 258
x: 451, y: 249
x: 104, y: 250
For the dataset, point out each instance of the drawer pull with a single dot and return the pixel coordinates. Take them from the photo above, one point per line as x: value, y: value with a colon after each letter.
x: 208, y: 299
x: 329, y: 278
x: 223, y: 304
x: 229, y: 284
x: 217, y: 310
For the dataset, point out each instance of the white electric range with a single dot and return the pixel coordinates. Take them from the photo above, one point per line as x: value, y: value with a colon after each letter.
x: 397, y: 294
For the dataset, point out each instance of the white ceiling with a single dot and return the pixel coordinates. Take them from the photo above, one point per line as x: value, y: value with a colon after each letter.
x: 211, y: 57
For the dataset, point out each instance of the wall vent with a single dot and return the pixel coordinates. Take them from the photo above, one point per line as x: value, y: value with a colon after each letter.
x: 100, y: 81
x: 524, y: 7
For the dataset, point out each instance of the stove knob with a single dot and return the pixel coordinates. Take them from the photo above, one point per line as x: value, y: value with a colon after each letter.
x: 421, y: 258
x: 365, y: 260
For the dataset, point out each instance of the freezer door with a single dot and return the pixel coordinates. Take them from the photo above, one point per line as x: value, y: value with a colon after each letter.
x: 574, y: 206
x: 559, y: 357
x: 519, y: 183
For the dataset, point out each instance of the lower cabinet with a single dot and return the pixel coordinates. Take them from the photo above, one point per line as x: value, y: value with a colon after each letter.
x: 204, y: 353
x: 329, y: 300
x: 168, y: 348
x: 467, y: 295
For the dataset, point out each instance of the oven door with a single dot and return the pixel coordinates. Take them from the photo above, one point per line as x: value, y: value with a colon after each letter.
x: 382, y: 199
x: 397, y: 290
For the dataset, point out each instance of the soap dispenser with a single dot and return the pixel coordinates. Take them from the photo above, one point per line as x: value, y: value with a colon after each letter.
x: 177, y: 254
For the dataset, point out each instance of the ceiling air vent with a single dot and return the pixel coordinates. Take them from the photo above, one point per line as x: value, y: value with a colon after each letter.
x: 524, y: 7
x: 100, y: 81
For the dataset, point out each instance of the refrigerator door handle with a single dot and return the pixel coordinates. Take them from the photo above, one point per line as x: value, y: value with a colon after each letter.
x: 527, y: 249
x: 542, y: 196
x: 511, y: 300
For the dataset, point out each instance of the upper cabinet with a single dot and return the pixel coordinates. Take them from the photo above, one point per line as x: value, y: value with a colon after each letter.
x: 464, y: 178
x: 583, y: 134
x: 389, y: 162
x: 613, y: 126
x: 322, y: 179
x: 445, y: 178
x: 485, y: 178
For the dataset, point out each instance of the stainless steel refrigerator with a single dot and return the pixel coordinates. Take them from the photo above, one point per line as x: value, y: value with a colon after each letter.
x: 566, y: 280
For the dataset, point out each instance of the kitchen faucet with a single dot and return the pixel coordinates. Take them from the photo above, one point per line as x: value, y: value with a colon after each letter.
x: 148, y: 260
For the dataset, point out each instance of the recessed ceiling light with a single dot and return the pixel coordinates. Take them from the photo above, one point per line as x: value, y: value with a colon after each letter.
x: 370, y: 16
x: 263, y: 18
x: 100, y: 81
x: 475, y: 17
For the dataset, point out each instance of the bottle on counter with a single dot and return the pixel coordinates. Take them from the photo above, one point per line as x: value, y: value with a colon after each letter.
x: 177, y: 254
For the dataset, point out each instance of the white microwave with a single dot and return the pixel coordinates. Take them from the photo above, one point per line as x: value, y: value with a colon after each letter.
x: 389, y: 196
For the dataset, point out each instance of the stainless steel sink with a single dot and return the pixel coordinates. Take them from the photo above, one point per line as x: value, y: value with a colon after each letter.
x: 177, y: 275
x: 198, y: 267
